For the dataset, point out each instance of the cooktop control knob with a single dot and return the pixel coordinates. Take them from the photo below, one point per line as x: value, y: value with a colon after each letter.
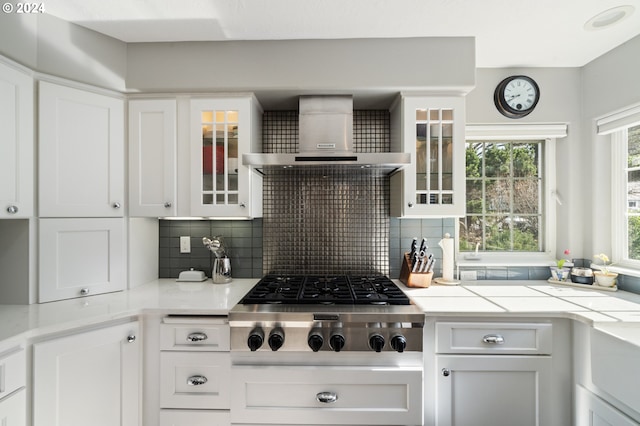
x: 276, y: 338
x: 398, y: 343
x: 256, y: 339
x: 376, y: 342
x: 315, y: 340
x: 336, y: 341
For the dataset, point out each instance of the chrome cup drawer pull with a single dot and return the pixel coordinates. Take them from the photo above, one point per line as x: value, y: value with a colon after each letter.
x: 196, y: 380
x: 327, y: 397
x: 197, y: 337
x: 493, y: 339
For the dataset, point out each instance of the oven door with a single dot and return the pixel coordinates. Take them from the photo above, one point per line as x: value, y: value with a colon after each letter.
x: 322, y: 395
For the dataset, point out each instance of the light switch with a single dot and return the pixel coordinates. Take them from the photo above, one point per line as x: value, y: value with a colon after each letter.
x: 185, y: 244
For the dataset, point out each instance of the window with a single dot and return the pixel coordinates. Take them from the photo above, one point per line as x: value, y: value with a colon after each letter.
x: 505, y: 185
x: 623, y: 127
x: 511, y: 192
x: 630, y: 145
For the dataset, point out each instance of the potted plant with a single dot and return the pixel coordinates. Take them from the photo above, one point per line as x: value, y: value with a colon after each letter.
x: 560, y: 272
x: 604, y: 277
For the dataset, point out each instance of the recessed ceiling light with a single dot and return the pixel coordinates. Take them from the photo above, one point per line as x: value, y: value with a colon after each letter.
x: 608, y: 18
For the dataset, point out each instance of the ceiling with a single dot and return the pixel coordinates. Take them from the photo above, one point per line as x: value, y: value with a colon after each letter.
x: 509, y: 33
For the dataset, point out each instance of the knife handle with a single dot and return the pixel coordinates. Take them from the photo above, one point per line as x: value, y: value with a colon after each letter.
x: 414, y: 247
x: 423, y: 245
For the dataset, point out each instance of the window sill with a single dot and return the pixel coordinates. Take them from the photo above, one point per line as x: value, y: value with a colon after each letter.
x: 620, y: 269
x: 504, y: 259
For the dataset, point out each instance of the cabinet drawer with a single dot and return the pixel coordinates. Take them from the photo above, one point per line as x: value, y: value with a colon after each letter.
x: 194, y: 418
x: 327, y: 395
x: 12, y: 371
x: 492, y: 338
x: 195, y: 334
x: 198, y: 380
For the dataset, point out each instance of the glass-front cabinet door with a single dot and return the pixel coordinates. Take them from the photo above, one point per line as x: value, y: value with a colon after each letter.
x: 433, y: 132
x: 221, y: 131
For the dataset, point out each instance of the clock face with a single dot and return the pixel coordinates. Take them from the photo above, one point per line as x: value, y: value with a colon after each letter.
x: 520, y: 94
x: 516, y: 96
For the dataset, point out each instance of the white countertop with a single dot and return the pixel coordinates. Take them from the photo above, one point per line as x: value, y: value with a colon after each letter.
x: 617, y: 313
x: 165, y: 295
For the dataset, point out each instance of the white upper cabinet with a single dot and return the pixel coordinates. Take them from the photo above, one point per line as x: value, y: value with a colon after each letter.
x: 432, y: 130
x: 81, y: 153
x: 222, y: 129
x: 16, y: 143
x: 81, y: 257
x: 152, y: 157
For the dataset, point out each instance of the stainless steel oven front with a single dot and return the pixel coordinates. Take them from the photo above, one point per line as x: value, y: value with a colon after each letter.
x: 320, y: 364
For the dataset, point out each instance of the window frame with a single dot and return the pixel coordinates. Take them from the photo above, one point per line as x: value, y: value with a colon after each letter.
x: 614, y: 126
x: 551, y: 196
x: 619, y: 201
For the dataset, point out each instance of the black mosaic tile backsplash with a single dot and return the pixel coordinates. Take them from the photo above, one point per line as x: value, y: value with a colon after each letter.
x: 243, y: 238
x: 371, y: 131
x: 325, y: 221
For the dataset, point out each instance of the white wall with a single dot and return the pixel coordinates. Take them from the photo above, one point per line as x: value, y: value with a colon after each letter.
x: 49, y: 45
x: 295, y: 66
x: 560, y: 102
x: 576, y: 96
x: 609, y: 83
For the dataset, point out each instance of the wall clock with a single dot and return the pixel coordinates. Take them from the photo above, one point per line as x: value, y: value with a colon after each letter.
x: 516, y: 96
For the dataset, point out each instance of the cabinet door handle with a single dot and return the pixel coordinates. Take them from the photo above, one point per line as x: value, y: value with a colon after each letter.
x: 196, y: 380
x: 12, y: 209
x: 116, y: 205
x: 84, y: 291
x: 493, y: 339
x: 167, y: 204
x: 197, y: 337
x: 131, y: 338
x: 327, y: 397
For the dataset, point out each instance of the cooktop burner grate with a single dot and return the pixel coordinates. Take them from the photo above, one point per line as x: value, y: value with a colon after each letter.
x: 345, y: 290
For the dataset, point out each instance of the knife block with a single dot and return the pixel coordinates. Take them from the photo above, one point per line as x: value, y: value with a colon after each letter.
x: 413, y: 279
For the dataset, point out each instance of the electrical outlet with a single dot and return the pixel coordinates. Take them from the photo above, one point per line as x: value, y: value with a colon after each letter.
x: 185, y: 244
x: 468, y: 275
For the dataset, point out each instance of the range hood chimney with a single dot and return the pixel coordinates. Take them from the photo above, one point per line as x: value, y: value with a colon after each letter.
x: 326, y: 127
x: 326, y: 139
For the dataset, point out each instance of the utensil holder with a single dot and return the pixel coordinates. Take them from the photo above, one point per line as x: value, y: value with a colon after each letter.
x: 413, y: 279
x: 221, y: 272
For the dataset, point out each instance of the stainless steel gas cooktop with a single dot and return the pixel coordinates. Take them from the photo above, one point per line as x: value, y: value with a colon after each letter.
x: 326, y: 290
x: 326, y: 313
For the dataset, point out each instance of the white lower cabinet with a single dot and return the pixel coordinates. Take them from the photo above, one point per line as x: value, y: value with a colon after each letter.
x: 13, y: 406
x: 594, y: 411
x: 195, y: 380
x: 195, y: 371
x: 311, y: 395
x: 194, y: 418
x: 498, y: 374
x: 81, y: 257
x: 492, y: 390
x: 88, y: 378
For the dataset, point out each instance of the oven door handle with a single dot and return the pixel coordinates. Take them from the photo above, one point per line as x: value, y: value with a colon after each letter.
x: 327, y: 397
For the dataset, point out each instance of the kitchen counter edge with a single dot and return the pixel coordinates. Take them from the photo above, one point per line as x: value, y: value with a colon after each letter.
x: 19, y: 323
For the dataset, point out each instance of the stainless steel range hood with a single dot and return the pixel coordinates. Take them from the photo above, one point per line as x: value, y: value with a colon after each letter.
x: 326, y: 139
